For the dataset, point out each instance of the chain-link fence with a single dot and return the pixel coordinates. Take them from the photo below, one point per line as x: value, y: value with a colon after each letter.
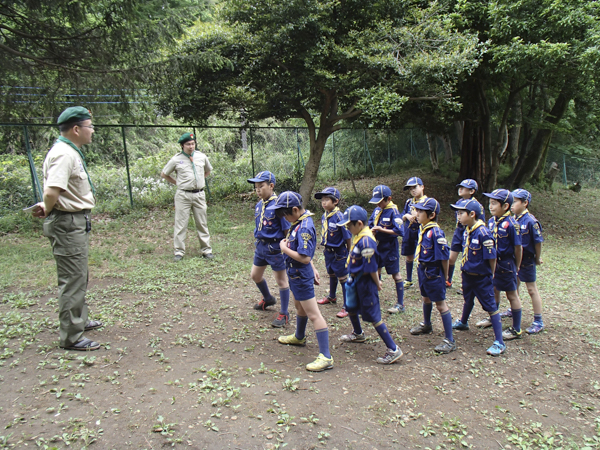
x: 125, y: 161
x: 572, y: 169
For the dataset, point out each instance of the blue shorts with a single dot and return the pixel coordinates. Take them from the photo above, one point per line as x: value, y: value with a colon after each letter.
x: 302, y: 282
x: 409, y: 244
x: 368, y: 300
x: 480, y: 287
x: 387, y: 256
x: 432, y: 282
x: 269, y: 254
x: 505, y: 276
x: 527, y: 271
x: 335, y: 261
x: 457, y: 241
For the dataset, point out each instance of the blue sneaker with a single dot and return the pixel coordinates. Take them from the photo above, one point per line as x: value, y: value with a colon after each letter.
x: 458, y: 325
x: 496, y: 349
x: 535, y: 328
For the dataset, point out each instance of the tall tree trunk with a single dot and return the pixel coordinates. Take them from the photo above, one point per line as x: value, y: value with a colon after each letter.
x: 471, y: 160
x: 445, y: 138
x: 432, y: 144
x: 459, y: 126
x: 514, y: 133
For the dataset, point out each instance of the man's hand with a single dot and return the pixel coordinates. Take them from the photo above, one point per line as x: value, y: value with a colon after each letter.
x: 39, y: 211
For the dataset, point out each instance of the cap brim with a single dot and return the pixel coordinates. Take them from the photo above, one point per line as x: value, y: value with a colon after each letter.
x: 491, y: 196
x: 408, y: 186
x: 419, y: 206
x: 458, y: 208
x: 320, y: 195
x: 256, y: 180
x: 343, y: 222
x: 375, y: 200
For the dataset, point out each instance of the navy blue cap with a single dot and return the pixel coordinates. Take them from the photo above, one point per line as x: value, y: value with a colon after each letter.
x: 430, y: 204
x: 502, y: 195
x: 470, y: 206
x: 287, y: 199
x: 379, y: 193
x: 263, y: 176
x: 328, y: 191
x: 468, y: 183
x: 521, y: 194
x: 413, y: 181
x: 355, y: 212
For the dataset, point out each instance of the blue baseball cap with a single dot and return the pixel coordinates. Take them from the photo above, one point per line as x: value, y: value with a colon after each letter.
x: 263, y: 176
x: 470, y: 206
x: 379, y: 193
x: 287, y: 199
x: 469, y: 184
x: 328, y: 191
x: 355, y: 212
x: 430, y: 204
x: 502, y: 195
x: 522, y: 194
x: 413, y: 181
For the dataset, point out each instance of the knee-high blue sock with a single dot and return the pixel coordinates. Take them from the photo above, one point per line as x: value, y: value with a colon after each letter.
x: 333, y: 281
x: 284, y: 294
x: 343, y: 284
x: 450, y: 272
x: 538, y: 318
x: 263, y: 287
x: 301, y: 322
x: 516, y: 317
x: 385, y: 335
x: 497, y: 326
x: 447, y: 321
x: 400, y: 292
x: 466, y: 312
x: 427, y: 308
x: 355, y: 321
x: 323, y: 339
x: 409, y: 270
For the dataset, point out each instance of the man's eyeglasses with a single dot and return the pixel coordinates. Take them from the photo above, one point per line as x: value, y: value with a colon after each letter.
x: 86, y: 126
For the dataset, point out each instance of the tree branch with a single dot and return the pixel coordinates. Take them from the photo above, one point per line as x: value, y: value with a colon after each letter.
x: 41, y: 38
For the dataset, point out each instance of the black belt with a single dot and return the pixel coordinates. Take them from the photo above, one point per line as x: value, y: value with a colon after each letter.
x: 270, y: 240
x: 474, y: 274
x: 332, y: 249
x: 60, y: 213
x: 193, y: 191
x: 430, y: 264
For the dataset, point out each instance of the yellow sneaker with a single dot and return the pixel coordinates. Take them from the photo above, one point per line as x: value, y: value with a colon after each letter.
x: 292, y: 340
x: 320, y: 364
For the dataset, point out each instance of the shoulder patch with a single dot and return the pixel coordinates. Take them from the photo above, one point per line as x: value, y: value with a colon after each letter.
x: 398, y: 221
x: 442, y: 241
x: 367, y: 252
x: 488, y: 242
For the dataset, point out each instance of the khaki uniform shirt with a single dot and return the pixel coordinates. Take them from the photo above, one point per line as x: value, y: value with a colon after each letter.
x: 63, y: 169
x: 182, y: 166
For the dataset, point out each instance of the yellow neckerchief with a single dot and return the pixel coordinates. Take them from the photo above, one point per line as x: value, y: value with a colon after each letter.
x: 496, y: 223
x: 522, y: 214
x: 325, y: 225
x: 304, y: 215
x: 378, y: 215
x: 365, y: 232
x: 465, y: 256
x: 262, y: 212
x: 422, y: 230
x: 191, y: 158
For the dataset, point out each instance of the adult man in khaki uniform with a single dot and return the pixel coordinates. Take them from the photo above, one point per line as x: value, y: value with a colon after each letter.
x: 66, y: 206
x: 190, y: 166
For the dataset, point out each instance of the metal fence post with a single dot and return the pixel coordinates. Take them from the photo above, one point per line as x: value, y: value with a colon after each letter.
x: 333, y: 150
x: 565, y: 169
x: 127, y: 165
x: 367, y: 152
x: 252, y: 151
x: 388, y: 146
x: 35, y: 182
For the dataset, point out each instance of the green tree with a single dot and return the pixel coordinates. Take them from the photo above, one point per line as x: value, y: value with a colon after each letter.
x: 325, y: 61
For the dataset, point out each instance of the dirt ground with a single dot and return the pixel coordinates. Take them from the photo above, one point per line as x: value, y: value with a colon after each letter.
x: 187, y: 362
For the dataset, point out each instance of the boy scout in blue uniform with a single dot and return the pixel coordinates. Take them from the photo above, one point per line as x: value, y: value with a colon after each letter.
x: 299, y: 249
x: 411, y: 226
x: 432, y: 257
x: 336, y: 243
x: 531, y: 239
x: 509, y: 252
x: 269, y: 231
x: 365, y: 283
x: 466, y: 191
x: 386, y: 225
x: 477, y: 266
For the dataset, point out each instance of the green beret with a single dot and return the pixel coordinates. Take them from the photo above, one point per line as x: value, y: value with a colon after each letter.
x: 74, y: 114
x: 185, y: 137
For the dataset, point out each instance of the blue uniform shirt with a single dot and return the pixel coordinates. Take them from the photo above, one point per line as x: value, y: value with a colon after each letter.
x: 331, y: 234
x: 505, y: 231
x: 302, y: 238
x: 434, y: 246
x: 362, y: 257
x: 388, y: 218
x: 479, y: 246
x: 268, y: 225
x: 411, y: 231
x: 531, y: 233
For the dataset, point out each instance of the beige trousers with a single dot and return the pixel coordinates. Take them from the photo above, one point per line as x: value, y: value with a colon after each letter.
x: 184, y: 202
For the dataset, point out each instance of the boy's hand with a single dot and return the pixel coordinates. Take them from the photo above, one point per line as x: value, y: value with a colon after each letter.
x: 376, y: 228
x: 379, y: 285
x: 283, y: 244
x: 539, y: 262
x: 317, y: 277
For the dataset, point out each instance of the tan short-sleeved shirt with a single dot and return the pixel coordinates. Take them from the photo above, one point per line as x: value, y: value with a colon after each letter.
x: 63, y: 169
x: 182, y: 166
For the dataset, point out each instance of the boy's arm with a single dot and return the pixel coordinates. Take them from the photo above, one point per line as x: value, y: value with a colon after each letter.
x: 304, y: 259
x: 348, y: 244
x: 376, y: 280
x: 445, y: 265
x: 538, y: 253
x: 492, y: 265
x: 317, y: 276
x: 518, y: 255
